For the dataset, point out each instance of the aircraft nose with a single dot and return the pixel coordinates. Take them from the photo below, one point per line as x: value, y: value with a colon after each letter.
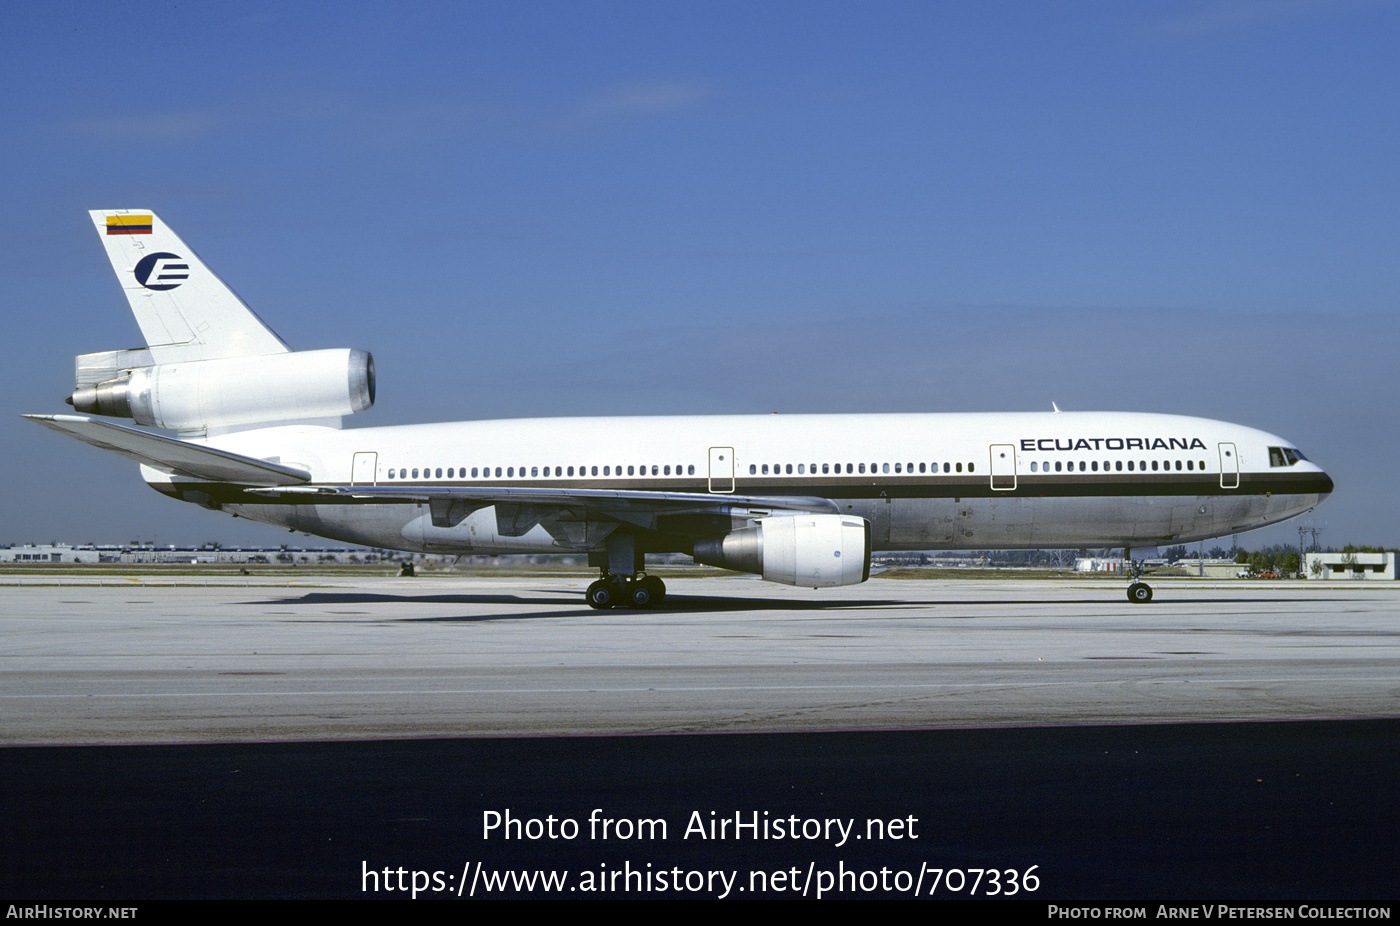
x: 1326, y: 487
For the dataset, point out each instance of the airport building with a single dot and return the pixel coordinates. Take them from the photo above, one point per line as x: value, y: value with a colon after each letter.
x: 149, y: 553
x: 49, y: 553
x: 1350, y: 566
x: 1210, y: 568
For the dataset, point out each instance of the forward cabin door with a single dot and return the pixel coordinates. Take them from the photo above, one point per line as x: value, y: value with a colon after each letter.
x: 1229, y: 467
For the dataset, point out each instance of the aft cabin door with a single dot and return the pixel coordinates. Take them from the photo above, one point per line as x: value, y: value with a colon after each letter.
x: 721, y: 469
x: 362, y: 469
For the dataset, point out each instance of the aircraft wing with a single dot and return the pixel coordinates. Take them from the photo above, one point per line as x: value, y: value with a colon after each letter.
x: 587, y: 498
x: 169, y: 455
x: 565, y: 512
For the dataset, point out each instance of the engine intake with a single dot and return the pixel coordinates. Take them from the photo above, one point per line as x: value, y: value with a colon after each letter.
x: 812, y: 550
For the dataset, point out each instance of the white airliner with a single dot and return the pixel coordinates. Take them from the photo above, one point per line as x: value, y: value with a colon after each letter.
x: 797, y: 499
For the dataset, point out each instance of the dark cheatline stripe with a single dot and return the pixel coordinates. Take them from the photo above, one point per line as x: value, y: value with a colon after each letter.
x: 1076, y: 486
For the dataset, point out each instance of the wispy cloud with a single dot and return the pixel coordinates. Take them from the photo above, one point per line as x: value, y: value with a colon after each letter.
x: 403, y: 121
x: 1222, y: 16
x: 631, y: 100
x: 393, y: 121
x: 168, y: 126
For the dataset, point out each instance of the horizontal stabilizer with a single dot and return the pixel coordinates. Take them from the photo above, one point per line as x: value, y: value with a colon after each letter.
x: 176, y: 457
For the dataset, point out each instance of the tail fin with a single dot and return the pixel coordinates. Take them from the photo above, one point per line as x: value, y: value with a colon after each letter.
x: 210, y: 365
x: 185, y: 312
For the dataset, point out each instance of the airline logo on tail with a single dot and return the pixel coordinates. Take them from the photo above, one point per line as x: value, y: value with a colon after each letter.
x: 129, y: 224
x: 162, y: 271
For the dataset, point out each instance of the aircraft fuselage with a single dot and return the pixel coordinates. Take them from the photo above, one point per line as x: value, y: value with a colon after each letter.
x: 922, y: 481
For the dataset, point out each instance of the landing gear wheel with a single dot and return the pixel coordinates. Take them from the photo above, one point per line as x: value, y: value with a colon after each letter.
x: 602, y: 594
x: 639, y: 595
x: 655, y: 588
x: 1139, y: 593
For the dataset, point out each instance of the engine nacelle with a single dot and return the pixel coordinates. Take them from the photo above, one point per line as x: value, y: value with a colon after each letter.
x: 812, y: 550
x: 235, y: 391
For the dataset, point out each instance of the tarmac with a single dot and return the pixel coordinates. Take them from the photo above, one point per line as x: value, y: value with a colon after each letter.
x: 1231, y: 740
x: 146, y: 662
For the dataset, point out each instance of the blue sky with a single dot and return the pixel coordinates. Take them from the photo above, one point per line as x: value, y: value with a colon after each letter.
x: 538, y: 208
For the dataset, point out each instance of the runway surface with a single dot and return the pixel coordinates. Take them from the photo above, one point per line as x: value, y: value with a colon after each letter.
x: 141, y: 663
x: 1229, y: 740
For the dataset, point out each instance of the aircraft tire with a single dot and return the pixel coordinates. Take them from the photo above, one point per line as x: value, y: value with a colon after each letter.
x: 640, y: 595
x: 656, y: 587
x: 601, y: 595
x: 1139, y: 593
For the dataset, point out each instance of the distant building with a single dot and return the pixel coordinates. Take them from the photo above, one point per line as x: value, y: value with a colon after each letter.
x: 1211, y: 568
x: 1350, y: 566
x: 48, y: 553
x: 37, y: 554
x: 1214, y: 568
x: 1098, y: 564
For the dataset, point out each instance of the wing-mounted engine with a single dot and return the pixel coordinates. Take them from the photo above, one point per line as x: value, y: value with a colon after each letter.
x: 811, y: 550
x: 226, y: 393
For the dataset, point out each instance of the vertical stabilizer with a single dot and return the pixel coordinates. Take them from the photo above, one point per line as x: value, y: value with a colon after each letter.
x: 185, y: 312
x: 210, y: 365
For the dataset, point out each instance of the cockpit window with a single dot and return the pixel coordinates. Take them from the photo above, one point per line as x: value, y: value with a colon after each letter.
x: 1283, y: 456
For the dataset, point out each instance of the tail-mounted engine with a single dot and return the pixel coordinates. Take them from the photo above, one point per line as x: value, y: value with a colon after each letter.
x: 232, y: 392
x: 811, y: 550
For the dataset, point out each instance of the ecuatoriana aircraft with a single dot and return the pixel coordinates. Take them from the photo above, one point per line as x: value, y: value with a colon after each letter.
x: 797, y: 499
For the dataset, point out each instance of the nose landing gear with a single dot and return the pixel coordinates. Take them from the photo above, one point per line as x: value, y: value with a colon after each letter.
x: 1139, y: 592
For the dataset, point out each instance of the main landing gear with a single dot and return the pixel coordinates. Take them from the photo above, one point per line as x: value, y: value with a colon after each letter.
x: 623, y: 583
x: 638, y: 591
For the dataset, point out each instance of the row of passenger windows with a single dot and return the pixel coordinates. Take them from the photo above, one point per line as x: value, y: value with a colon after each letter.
x: 536, y: 472
x: 1086, y: 466
x: 779, y: 469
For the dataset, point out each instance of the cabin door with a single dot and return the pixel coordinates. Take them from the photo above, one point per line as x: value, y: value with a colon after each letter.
x: 362, y: 469
x: 721, y: 469
x: 1003, y: 467
x: 1229, y: 467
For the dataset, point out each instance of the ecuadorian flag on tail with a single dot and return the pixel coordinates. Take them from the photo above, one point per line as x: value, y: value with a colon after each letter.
x: 129, y: 224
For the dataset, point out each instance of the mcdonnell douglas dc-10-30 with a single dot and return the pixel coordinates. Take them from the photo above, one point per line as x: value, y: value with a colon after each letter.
x: 798, y: 499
